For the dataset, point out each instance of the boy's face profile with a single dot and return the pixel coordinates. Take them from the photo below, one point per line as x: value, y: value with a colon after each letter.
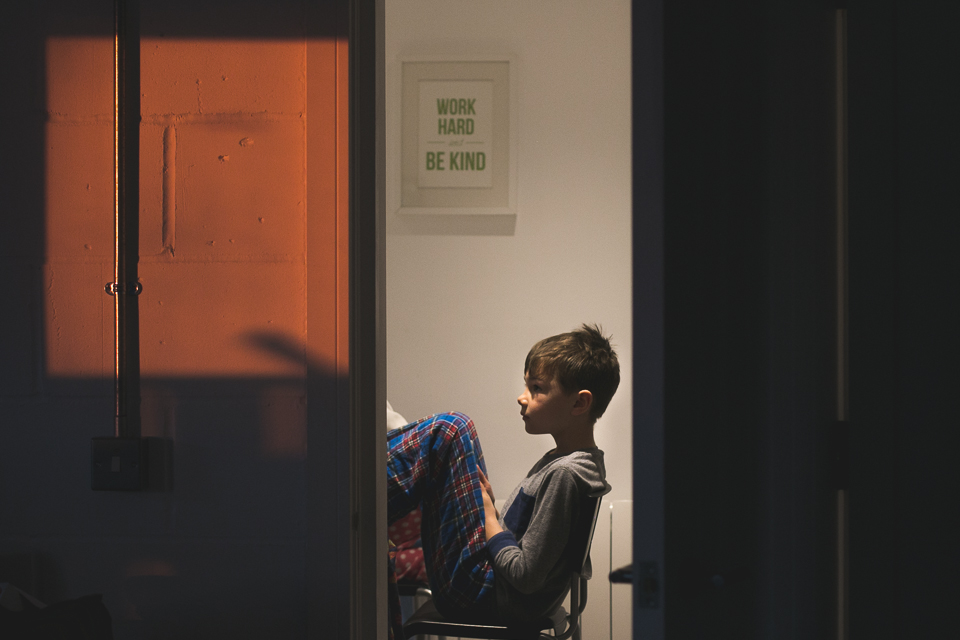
x: 544, y: 405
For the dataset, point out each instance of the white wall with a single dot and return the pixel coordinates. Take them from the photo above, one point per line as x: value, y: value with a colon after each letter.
x: 466, y: 299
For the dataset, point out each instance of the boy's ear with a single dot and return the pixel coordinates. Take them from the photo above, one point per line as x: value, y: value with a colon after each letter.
x: 583, y: 402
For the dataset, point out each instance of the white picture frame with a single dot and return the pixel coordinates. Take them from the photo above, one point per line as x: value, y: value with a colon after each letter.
x: 463, y: 112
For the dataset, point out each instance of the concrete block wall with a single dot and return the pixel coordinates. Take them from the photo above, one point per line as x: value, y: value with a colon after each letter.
x: 223, y: 216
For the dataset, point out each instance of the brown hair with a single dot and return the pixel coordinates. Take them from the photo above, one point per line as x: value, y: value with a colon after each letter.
x: 580, y: 360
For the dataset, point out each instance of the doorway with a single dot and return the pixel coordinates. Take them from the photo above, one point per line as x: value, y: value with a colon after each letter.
x: 467, y: 293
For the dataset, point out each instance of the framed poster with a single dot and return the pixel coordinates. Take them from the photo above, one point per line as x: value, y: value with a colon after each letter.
x: 457, y: 137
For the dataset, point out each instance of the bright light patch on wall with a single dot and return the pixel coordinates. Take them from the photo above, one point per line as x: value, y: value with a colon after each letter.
x: 222, y: 211
x: 79, y: 196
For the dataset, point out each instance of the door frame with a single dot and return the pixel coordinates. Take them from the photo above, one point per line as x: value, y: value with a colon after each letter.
x: 648, y: 207
x: 367, y: 275
x: 367, y: 378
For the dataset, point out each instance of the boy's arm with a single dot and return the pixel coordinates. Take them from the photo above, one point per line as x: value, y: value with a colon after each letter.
x: 491, y: 515
x: 545, y: 539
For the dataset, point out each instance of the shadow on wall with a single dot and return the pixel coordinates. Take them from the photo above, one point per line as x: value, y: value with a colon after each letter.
x: 221, y: 553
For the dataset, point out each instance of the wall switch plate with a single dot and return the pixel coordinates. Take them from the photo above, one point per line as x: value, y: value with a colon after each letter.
x: 118, y: 464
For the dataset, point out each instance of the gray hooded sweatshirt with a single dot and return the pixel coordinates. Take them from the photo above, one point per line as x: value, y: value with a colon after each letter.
x: 531, y: 576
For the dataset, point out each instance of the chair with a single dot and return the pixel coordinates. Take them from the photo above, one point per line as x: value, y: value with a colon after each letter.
x: 428, y: 621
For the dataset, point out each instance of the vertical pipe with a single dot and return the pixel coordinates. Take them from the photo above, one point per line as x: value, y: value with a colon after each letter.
x: 126, y: 210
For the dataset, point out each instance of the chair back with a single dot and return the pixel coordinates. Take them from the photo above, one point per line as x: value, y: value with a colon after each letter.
x: 578, y: 550
x: 581, y: 538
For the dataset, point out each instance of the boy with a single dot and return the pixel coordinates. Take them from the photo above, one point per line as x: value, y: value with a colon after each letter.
x: 511, y: 567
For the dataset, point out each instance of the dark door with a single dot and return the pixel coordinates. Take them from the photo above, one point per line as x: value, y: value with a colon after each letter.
x: 904, y: 167
x: 736, y: 311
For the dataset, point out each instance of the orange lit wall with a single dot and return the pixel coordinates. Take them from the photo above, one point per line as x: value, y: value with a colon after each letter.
x: 222, y: 210
x: 242, y: 237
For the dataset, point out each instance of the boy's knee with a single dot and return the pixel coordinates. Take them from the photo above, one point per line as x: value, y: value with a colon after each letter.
x: 457, y: 418
x: 454, y: 422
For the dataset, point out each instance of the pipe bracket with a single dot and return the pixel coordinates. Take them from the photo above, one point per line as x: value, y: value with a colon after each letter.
x: 132, y: 288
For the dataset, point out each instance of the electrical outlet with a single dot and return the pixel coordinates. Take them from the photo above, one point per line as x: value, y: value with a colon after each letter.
x: 118, y: 464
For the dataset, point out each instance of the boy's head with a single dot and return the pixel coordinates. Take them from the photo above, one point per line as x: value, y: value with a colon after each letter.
x: 580, y: 360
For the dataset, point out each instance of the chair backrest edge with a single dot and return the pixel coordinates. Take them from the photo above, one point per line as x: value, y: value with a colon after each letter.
x: 579, y: 545
x: 581, y: 538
